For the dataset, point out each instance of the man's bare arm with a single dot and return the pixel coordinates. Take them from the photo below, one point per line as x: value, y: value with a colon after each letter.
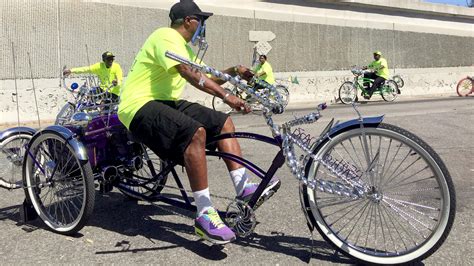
x: 200, y: 81
x: 203, y: 83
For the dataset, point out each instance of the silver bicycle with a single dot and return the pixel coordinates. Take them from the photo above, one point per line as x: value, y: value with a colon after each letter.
x: 374, y: 191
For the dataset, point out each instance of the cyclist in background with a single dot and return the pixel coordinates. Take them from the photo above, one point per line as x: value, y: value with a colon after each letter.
x: 108, y: 72
x: 380, y: 74
x: 264, y: 70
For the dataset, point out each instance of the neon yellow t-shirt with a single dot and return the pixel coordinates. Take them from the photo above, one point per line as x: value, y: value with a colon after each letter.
x: 106, y: 75
x: 153, y: 76
x: 267, y: 68
x: 384, y: 73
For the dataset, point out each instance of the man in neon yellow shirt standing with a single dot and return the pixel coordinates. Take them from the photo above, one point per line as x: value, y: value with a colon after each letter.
x: 151, y: 108
x: 108, y: 72
x: 264, y: 70
x: 381, y: 73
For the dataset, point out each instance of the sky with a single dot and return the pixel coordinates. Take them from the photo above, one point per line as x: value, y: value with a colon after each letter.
x: 450, y: 2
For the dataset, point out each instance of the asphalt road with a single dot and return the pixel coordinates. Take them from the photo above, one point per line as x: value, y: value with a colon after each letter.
x: 125, y: 232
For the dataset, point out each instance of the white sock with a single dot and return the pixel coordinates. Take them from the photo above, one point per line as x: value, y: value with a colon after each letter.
x: 202, y: 200
x: 239, y: 178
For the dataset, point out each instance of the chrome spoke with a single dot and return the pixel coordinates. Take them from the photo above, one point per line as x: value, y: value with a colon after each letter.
x: 401, y: 207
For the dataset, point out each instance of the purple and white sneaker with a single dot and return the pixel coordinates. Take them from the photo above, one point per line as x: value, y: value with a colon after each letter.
x: 250, y: 189
x: 209, y: 226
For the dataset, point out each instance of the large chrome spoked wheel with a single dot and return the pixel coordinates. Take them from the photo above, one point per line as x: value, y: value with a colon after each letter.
x: 284, y: 93
x: 408, y: 206
x: 400, y: 82
x: 12, y: 152
x: 58, y: 185
x: 389, y: 91
x: 347, y: 93
x: 65, y: 114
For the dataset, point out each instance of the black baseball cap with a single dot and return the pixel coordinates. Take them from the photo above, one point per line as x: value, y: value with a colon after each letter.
x: 107, y: 55
x: 187, y: 8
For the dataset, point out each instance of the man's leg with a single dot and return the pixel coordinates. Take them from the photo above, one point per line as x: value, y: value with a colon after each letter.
x: 243, y: 189
x: 173, y: 135
x: 367, y: 84
x: 195, y: 161
x: 377, y: 83
x: 230, y: 145
x: 218, y: 123
x: 208, y: 224
x: 196, y: 168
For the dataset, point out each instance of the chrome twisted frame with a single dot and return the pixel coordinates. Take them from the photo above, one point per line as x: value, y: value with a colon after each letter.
x: 411, y: 196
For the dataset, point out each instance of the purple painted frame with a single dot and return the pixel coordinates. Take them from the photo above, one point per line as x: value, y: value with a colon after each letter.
x: 94, y: 136
x: 266, y: 176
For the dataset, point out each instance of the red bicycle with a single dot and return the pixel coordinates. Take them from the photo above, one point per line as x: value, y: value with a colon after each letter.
x: 465, y: 86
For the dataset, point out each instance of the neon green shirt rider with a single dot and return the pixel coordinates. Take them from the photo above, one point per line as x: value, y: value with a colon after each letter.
x: 109, y: 72
x: 380, y: 65
x: 264, y: 70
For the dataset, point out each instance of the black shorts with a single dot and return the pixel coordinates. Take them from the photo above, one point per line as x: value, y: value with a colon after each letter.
x: 167, y: 127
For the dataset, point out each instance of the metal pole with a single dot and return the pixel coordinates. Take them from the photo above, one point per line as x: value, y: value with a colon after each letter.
x: 16, y: 86
x: 90, y: 75
x: 34, y: 89
x: 58, y: 32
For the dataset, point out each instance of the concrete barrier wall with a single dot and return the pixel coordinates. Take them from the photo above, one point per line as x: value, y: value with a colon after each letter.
x: 56, y: 33
x: 314, y: 87
x: 318, y: 41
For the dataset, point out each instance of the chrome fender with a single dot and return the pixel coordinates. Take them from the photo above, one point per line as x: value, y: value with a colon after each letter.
x: 372, y: 121
x: 16, y: 130
x: 69, y: 137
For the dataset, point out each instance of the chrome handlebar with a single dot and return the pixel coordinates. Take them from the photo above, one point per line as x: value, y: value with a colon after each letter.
x: 258, y: 89
x: 357, y: 71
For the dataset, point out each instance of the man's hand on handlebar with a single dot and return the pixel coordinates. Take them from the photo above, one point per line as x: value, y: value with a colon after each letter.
x: 114, y: 82
x: 66, y: 72
x: 237, y: 104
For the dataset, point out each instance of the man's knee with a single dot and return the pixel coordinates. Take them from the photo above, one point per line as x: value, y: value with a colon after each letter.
x: 379, y: 81
x: 199, y: 136
x: 228, y: 126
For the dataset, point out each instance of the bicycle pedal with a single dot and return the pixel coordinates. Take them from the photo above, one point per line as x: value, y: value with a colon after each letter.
x: 267, y: 195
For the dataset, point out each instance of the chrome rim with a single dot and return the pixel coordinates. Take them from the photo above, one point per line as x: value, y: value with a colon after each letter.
x: 347, y: 93
x: 407, y: 200
x: 11, y: 158
x: 55, y: 181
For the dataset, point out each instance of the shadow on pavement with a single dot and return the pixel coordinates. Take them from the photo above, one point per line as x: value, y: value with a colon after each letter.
x: 127, y: 217
x: 115, y: 212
